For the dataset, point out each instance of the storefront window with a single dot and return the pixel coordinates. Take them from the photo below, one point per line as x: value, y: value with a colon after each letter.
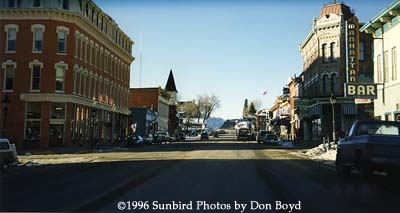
x: 58, y: 111
x: 33, y: 116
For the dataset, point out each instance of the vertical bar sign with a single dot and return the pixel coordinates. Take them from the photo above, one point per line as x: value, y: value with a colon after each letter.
x: 352, y: 49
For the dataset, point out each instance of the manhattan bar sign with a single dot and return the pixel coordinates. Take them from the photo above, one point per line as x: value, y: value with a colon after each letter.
x: 352, y: 49
x: 353, y: 88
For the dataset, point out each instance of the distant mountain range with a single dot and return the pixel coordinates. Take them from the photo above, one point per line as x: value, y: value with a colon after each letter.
x: 215, y: 123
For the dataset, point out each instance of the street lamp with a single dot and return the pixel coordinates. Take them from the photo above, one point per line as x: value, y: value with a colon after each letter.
x: 92, y: 121
x: 4, y: 104
x: 333, y: 101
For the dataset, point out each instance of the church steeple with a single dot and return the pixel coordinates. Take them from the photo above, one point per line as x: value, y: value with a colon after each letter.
x: 170, y: 87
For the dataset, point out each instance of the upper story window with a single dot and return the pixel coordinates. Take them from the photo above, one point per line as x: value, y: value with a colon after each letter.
x: 11, y: 3
x: 379, y: 68
x: 333, y: 52
x: 36, y: 67
x: 325, y: 53
x: 394, y: 64
x: 37, y: 3
x: 62, y: 33
x: 9, y: 68
x: 37, y: 30
x: 11, y: 31
x: 362, y: 51
x: 65, y: 4
x: 61, y: 67
x: 386, y: 67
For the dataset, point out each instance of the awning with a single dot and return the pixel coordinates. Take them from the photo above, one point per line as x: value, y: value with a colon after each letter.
x: 349, y: 109
x: 315, y: 110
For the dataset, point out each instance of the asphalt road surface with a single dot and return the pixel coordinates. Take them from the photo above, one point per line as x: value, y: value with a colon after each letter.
x: 201, y: 176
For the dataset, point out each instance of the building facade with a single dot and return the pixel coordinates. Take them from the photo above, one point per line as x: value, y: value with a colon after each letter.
x: 65, y: 73
x: 385, y: 28
x: 154, y: 99
x: 324, y: 73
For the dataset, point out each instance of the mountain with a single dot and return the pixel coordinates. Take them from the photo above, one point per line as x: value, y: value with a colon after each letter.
x: 215, y: 123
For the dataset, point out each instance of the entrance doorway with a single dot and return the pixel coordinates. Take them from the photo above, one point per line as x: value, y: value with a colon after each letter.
x: 56, y: 134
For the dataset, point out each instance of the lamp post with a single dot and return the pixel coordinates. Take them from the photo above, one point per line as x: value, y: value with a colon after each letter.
x: 333, y: 101
x: 92, y: 121
x: 4, y: 104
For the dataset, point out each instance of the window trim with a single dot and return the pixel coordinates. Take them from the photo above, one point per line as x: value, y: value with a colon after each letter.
x: 394, y: 64
x: 35, y: 27
x: 4, y: 66
x: 66, y: 31
x: 7, y: 28
x: 65, y: 66
x: 31, y: 64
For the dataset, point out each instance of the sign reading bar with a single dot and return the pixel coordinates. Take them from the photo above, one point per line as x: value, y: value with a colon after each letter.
x: 361, y: 90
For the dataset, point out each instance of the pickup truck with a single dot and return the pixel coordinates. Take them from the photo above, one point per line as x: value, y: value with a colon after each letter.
x: 369, y: 146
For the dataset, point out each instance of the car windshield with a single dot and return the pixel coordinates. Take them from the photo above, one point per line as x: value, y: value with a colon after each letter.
x: 262, y: 134
x: 270, y: 137
x: 4, y: 146
x: 379, y: 129
x: 243, y: 131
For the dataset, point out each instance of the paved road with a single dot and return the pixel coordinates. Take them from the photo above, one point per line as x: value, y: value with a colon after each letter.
x: 209, y: 176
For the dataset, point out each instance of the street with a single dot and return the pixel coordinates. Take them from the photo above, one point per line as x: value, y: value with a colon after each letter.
x: 213, y: 176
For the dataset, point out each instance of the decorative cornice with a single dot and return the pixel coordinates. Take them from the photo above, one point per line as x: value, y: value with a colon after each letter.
x: 65, y: 16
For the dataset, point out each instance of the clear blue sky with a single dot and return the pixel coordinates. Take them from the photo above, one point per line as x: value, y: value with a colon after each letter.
x: 235, y: 49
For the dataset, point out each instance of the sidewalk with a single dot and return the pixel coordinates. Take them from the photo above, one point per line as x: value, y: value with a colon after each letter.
x: 69, y: 149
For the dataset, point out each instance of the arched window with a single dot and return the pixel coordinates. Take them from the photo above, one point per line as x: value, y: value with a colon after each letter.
x: 333, y: 52
x: 333, y: 83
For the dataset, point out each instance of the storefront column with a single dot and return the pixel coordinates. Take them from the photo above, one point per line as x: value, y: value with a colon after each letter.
x: 45, y: 125
x: 112, y: 126
x: 67, y: 135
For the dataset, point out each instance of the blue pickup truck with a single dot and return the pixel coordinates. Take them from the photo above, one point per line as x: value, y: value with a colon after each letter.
x: 369, y: 146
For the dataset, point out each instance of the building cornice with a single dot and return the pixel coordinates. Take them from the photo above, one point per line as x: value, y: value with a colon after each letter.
x: 56, y: 97
x: 69, y: 17
x: 379, y: 20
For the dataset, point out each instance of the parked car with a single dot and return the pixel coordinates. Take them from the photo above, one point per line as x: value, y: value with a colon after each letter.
x: 163, y: 136
x: 180, y: 137
x: 149, y: 139
x: 270, y: 139
x: 261, y: 134
x: 369, y: 146
x: 244, y: 134
x: 134, y: 140
x: 204, y: 136
x: 8, y: 154
x: 156, y: 138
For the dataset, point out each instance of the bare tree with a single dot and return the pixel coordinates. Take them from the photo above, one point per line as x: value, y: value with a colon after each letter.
x: 208, y: 104
x: 257, y: 104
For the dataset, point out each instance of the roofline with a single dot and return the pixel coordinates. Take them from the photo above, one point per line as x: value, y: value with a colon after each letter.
x: 376, y: 19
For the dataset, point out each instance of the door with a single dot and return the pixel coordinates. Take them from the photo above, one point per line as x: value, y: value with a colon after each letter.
x: 56, y: 134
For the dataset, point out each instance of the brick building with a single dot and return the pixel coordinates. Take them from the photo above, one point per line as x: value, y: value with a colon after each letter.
x: 324, y: 73
x: 65, y: 68
x: 153, y: 98
x: 162, y: 101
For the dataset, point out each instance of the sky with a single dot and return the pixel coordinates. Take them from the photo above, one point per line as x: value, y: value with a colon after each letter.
x: 235, y: 49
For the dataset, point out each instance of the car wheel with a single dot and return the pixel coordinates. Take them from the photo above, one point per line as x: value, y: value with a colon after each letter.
x: 340, y: 168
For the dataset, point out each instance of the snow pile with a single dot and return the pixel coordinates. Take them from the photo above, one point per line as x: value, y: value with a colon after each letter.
x: 322, y: 154
x: 215, y: 123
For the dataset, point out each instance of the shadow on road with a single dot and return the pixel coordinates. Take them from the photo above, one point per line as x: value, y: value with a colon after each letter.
x: 90, y: 186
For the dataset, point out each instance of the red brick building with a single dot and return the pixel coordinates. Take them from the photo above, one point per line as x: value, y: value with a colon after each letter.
x: 162, y: 101
x: 65, y: 68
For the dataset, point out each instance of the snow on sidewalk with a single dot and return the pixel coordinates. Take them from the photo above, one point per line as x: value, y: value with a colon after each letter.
x: 321, y: 154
